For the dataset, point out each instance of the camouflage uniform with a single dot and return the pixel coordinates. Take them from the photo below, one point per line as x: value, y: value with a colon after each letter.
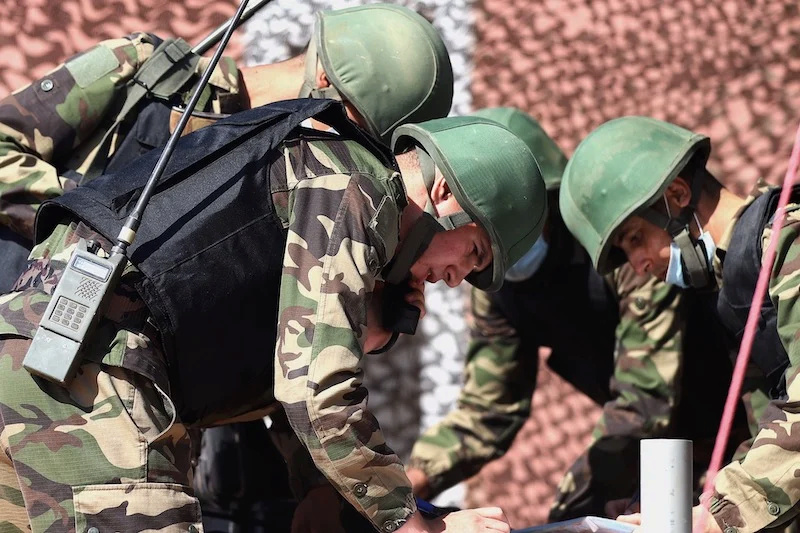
x: 341, y: 208
x: 671, y: 375
x: 54, y: 125
x: 761, y: 490
x: 658, y: 387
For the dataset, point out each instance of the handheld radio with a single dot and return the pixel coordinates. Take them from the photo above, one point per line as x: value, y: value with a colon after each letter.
x: 88, y: 281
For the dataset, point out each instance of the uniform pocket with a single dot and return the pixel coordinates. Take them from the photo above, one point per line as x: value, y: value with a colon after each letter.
x: 164, y: 507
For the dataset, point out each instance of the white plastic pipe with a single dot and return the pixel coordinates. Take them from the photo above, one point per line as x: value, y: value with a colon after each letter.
x: 666, y: 485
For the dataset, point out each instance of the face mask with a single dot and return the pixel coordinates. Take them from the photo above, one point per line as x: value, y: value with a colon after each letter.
x: 675, y: 268
x: 528, y: 264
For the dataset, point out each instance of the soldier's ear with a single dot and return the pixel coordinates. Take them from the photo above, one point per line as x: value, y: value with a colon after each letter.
x: 679, y: 192
x: 322, y: 79
x: 442, y: 197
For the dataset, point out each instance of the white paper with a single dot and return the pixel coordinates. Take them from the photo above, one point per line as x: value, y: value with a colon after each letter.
x: 589, y: 524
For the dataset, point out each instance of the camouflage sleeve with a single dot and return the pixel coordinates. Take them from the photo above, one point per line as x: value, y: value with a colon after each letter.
x: 763, y: 489
x: 303, y: 474
x: 494, y: 403
x: 647, y: 362
x: 644, y: 387
x: 334, y: 252
x: 42, y: 123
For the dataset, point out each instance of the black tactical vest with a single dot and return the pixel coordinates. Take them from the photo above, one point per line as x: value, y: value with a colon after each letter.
x: 741, y: 265
x: 565, y: 293
x: 210, y: 248
x: 150, y: 130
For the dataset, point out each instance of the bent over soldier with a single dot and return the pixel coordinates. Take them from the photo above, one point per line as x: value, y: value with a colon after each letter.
x: 632, y: 343
x: 638, y: 190
x: 258, y: 259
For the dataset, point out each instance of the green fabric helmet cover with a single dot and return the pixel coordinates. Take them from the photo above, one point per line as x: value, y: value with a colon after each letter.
x: 386, y: 60
x: 547, y: 153
x: 618, y: 170
x: 495, y: 179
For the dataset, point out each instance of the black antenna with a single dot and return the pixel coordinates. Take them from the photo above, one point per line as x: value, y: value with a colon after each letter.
x: 211, y: 39
x: 128, y: 231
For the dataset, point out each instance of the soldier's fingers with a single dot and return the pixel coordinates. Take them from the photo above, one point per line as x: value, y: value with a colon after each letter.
x: 497, y: 525
x: 418, y: 284
x: 417, y: 298
x: 492, y: 512
x: 297, y: 525
x: 635, y: 518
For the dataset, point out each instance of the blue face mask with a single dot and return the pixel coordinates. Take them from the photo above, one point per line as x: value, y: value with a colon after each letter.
x: 528, y: 264
x: 675, y: 268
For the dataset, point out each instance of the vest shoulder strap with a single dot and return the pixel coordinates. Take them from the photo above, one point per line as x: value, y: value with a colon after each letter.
x: 162, y: 75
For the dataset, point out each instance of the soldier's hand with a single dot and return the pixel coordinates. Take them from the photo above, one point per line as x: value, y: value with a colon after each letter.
x: 703, y: 521
x: 416, y: 296
x: 699, y: 515
x: 319, y: 512
x: 621, y: 506
x: 480, y: 520
x: 419, y: 482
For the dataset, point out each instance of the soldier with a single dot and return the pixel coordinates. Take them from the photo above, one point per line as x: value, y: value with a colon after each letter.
x: 638, y: 189
x: 636, y: 324
x: 257, y: 259
x: 54, y: 131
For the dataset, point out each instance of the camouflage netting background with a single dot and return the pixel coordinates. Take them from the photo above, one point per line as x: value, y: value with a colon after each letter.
x: 730, y: 69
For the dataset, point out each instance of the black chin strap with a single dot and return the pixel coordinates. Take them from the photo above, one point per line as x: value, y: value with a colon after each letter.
x: 693, y: 254
x: 309, y: 88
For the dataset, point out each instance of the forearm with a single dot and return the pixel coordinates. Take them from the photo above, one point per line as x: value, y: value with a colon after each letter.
x: 762, y: 490
x: 303, y: 473
x: 494, y: 403
x: 464, y: 441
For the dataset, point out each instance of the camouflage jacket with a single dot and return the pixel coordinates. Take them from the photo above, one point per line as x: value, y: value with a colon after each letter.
x: 761, y: 490
x: 55, y: 123
x: 41, y: 131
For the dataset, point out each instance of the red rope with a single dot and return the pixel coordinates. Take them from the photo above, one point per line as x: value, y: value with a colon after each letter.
x: 749, y: 331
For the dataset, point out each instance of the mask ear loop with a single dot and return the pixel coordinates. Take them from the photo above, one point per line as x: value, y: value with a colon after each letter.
x: 696, y: 263
x: 666, y: 204
x: 697, y: 221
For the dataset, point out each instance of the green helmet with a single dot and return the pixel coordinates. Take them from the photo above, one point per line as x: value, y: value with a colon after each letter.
x: 386, y: 60
x: 547, y: 153
x: 621, y: 169
x: 495, y: 179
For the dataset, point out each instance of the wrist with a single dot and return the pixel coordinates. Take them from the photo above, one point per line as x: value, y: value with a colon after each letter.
x: 416, y: 524
x: 419, y: 482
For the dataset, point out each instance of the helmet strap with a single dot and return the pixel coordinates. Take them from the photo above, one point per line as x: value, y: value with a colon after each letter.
x: 413, y: 246
x: 309, y: 88
x: 697, y: 266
